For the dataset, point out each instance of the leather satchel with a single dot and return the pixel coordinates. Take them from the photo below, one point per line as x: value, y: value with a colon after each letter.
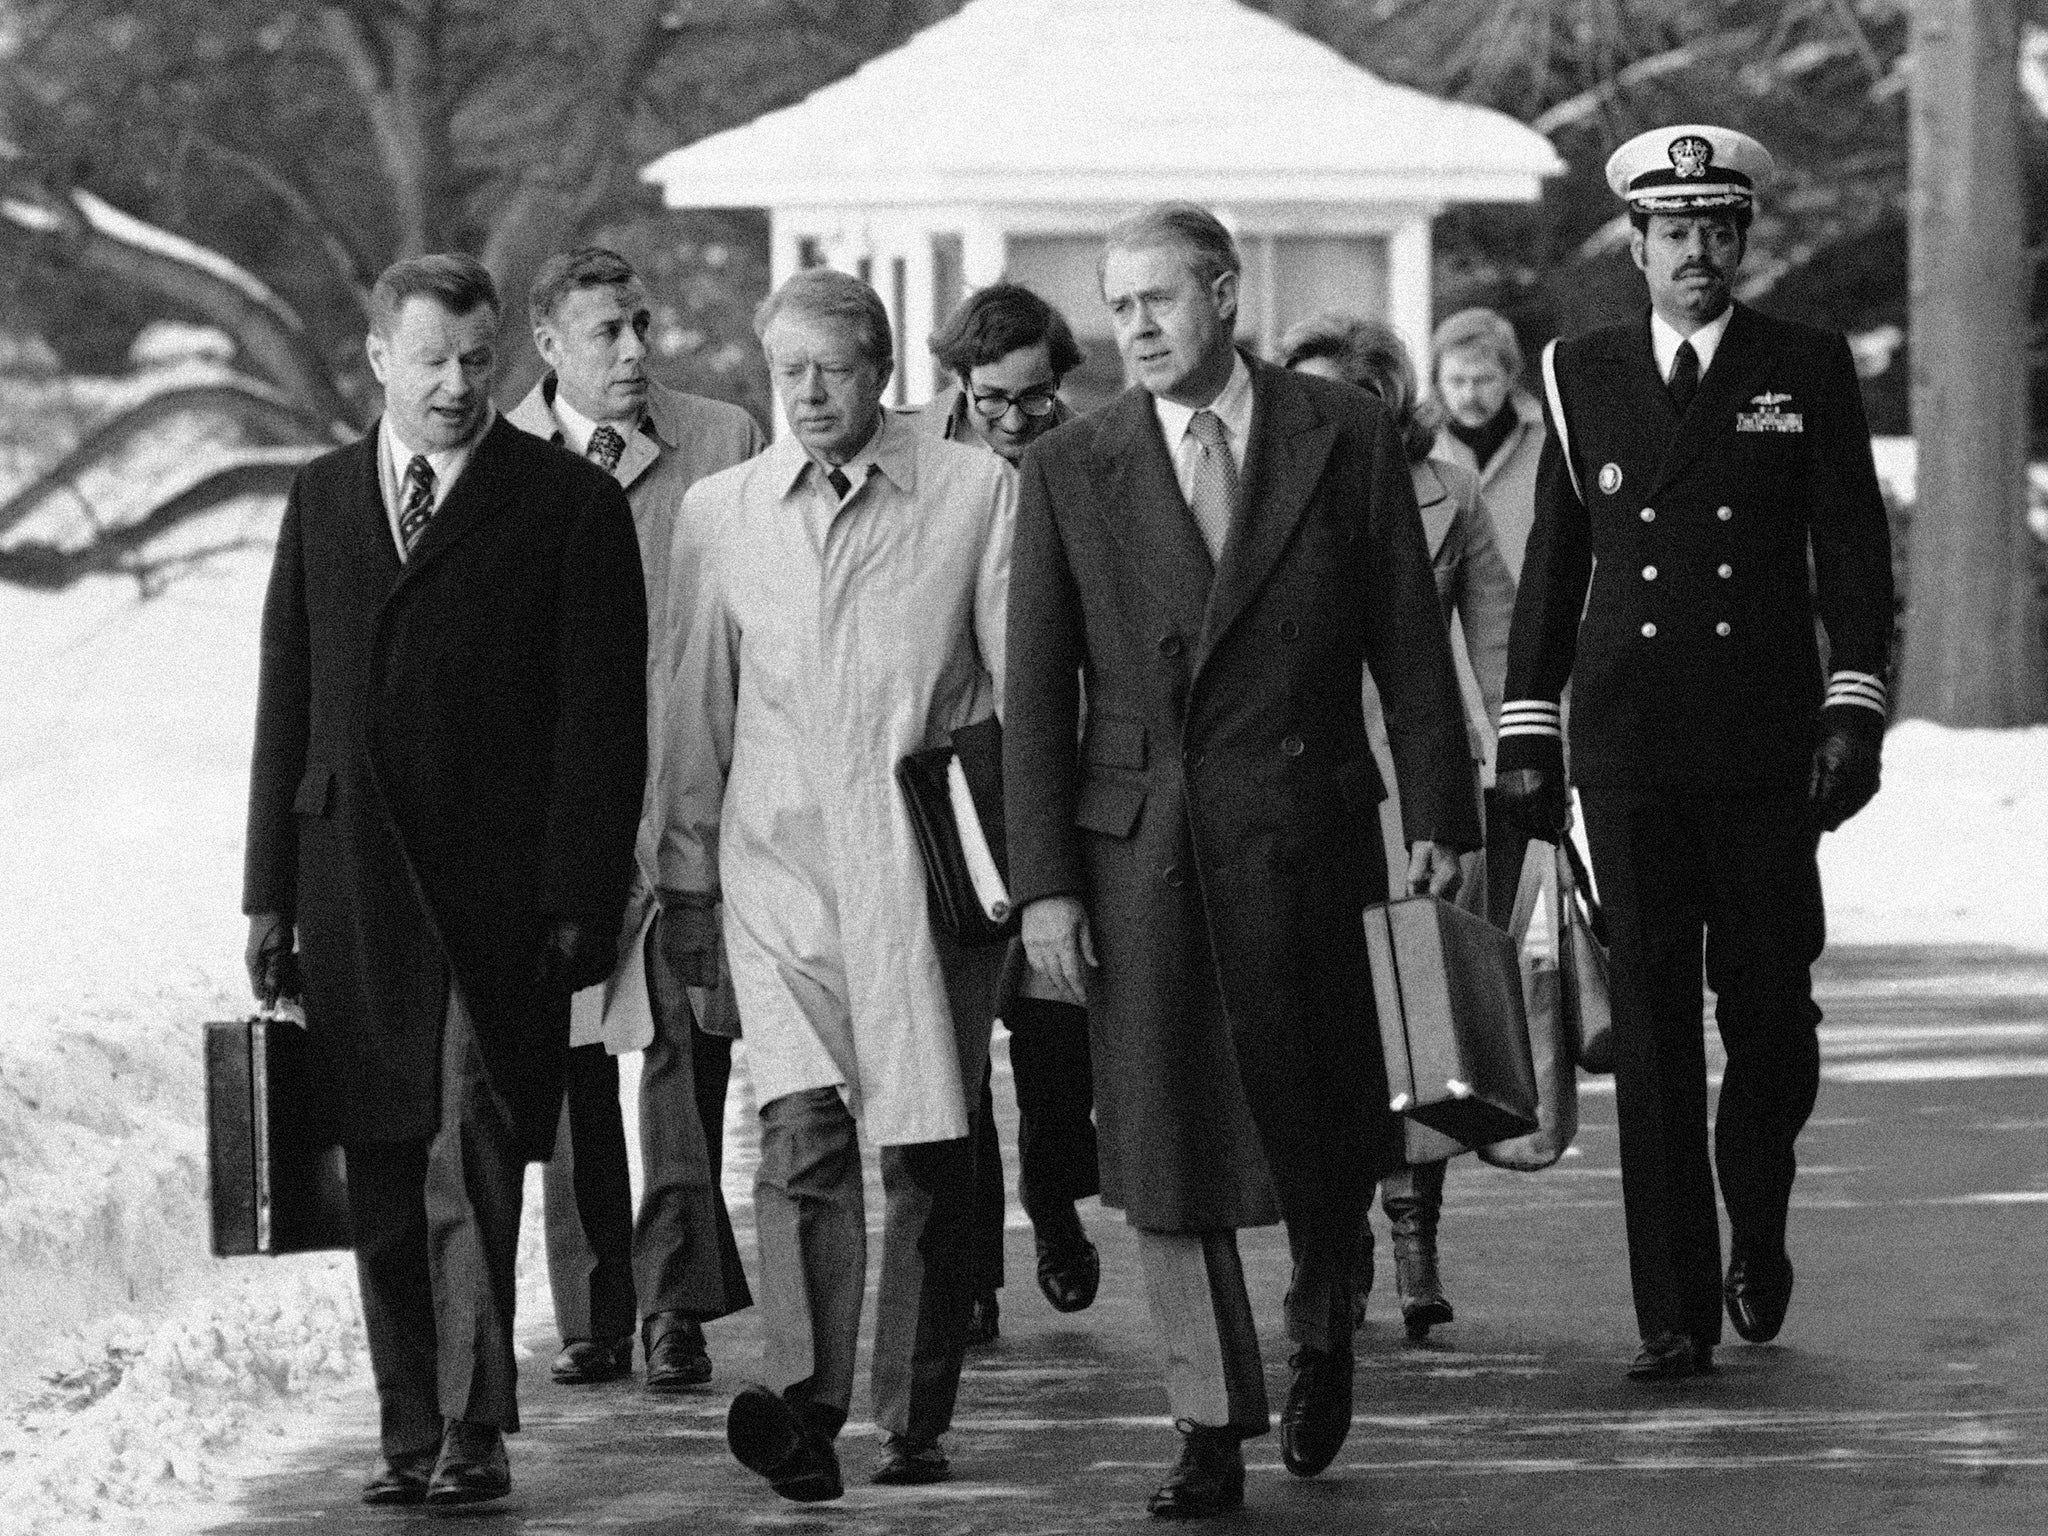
x: 276, y: 1184
x: 1541, y: 942
x: 1456, y: 1039
x: 1582, y: 968
x: 955, y: 796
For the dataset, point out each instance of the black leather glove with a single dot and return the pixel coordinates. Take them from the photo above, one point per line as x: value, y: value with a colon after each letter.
x: 272, y: 962
x: 686, y: 937
x: 572, y: 957
x: 1845, y: 773
x: 1534, y: 801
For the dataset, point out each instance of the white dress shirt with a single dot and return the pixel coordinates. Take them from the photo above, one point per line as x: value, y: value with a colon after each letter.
x: 447, y: 465
x: 1233, y: 407
x: 1706, y: 341
x: 578, y: 429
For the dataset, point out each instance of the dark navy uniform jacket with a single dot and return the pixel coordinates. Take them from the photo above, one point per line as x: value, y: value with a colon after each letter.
x: 1677, y: 594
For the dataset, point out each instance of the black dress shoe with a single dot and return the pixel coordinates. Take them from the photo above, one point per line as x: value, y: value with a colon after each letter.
x: 770, y: 1436
x: 1069, y: 1267
x: 983, y: 1320
x: 1672, y: 1357
x: 905, y: 1461
x: 1757, y: 1292
x: 1318, y: 1412
x: 1207, y: 1480
x: 472, y: 1468
x: 583, y: 1361
x: 676, y: 1357
x: 401, y: 1479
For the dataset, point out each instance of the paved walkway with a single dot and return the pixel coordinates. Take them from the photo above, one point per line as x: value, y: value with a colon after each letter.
x: 1909, y: 1392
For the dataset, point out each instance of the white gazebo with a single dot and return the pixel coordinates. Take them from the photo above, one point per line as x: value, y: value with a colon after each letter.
x: 1002, y: 141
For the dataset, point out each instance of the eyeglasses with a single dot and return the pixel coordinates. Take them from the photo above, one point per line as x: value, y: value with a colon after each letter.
x: 994, y: 405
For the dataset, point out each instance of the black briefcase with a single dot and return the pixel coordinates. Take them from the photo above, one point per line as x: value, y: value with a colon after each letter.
x: 955, y: 796
x: 1452, y: 1022
x: 277, y: 1186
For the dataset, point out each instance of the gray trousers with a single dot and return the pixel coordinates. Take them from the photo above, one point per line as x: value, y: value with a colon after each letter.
x: 437, y: 1238
x: 810, y: 1215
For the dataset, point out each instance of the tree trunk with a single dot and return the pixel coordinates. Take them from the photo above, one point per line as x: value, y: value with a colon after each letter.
x: 1972, y: 650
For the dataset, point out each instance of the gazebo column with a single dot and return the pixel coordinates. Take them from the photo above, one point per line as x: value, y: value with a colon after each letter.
x: 1409, y: 293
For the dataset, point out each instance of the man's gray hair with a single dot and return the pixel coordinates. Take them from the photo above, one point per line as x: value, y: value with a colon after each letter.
x: 1189, y: 227
x: 823, y: 294
x: 588, y: 266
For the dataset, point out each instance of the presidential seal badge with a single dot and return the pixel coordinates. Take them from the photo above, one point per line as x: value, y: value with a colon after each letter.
x: 1690, y: 156
x: 1610, y: 478
x: 1770, y: 414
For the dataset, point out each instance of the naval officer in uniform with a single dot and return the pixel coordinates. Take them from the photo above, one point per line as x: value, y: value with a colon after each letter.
x: 1701, y: 455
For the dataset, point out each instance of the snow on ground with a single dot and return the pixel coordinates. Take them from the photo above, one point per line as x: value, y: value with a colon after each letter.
x: 145, y: 1374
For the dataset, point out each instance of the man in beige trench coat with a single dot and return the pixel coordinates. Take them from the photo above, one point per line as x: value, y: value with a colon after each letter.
x: 851, y: 610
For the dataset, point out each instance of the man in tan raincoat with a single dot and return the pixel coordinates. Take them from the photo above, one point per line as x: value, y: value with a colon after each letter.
x: 851, y: 610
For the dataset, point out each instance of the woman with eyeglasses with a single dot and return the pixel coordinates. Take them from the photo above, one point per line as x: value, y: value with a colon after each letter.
x: 1478, y: 600
x: 1008, y: 350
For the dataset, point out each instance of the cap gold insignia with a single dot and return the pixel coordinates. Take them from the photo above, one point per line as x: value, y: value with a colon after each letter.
x: 1690, y: 156
x: 1610, y: 478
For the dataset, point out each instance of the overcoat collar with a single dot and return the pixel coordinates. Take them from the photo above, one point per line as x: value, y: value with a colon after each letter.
x: 1433, y: 499
x: 661, y: 425
x: 1146, y: 512
x: 368, y: 522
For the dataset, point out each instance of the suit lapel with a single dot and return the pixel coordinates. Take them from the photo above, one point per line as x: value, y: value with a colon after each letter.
x: 1739, y: 362
x: 368, y: 522
x: 1146, y: 513
x: 475, y: 497
x: 641, y: 452
x: 1288, y: 446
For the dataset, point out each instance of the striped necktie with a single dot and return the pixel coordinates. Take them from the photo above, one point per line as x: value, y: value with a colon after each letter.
x: 417, y: 507
x: 1213, y: 495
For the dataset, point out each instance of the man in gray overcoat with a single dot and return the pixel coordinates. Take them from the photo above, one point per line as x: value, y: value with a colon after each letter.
x: 1214, y: 838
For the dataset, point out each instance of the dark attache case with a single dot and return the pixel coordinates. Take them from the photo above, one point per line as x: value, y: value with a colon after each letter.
x: 1452, y: 1023
x: 955, y: 797
x: 275, y: 1187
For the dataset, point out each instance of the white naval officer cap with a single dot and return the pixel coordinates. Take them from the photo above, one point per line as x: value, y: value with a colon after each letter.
x: 1688, y: 168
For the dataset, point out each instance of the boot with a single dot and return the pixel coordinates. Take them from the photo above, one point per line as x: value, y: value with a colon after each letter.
x: 1412, y: 1199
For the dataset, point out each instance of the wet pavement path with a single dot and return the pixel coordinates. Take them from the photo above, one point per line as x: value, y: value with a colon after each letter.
x: 1909, y: 1391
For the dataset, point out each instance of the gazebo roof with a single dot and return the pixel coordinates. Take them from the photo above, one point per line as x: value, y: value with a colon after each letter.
x: 1110, y: 101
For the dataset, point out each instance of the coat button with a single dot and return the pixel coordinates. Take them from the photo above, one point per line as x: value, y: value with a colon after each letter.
x: 1649, y: 573
x: 1724, y: 572
x: 1649, y: 631
x: 1722, y: 628
x: 1724, y: 513
x: 1649, y: 514
x: 1291, y: 746
x: 1169, y: 645
x: 1289, y: 630
x: 1172, y: 876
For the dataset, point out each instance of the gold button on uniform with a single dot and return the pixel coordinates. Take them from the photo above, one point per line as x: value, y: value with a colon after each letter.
x: 1725, y: 572
x: 1649, y: 514
x: 1724, y: 513
x: 1649, y: 573
x: 1649, y: 631
x: 1721, y: 628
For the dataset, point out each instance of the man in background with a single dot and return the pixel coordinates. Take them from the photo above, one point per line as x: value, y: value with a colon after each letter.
x: 677, y: 1266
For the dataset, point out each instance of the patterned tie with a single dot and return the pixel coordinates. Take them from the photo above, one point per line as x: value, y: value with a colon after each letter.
x: 1213, y: 496
x: 418, y: 504
x: 1685, y: 376
x: 605, y: 446
x: 837, y: 479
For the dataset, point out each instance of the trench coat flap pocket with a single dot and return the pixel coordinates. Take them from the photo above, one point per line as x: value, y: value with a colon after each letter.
x: 1108, y: 808
x: 1113, y: 742
x: 1360, y: 783
x: 316, y: 791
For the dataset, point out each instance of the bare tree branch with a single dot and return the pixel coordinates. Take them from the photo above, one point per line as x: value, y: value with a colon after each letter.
x: 340, y: 251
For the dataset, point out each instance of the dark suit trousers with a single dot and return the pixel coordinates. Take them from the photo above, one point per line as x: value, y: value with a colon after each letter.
x: 1738, y: 870
x: 437, y: 1237
x: 1051, y: 1067
x: 680, y: 1254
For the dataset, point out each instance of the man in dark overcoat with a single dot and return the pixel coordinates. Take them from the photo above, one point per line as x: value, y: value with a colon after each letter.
x: 449, y: 759
x: 1703, y: 459
x: 1214, y: 838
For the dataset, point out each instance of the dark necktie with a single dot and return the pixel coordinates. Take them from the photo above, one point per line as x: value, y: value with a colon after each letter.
x: 417, y: 505
x: 1685, y: 376
x: 605, y: 446
x: 1212, y: 495
x: 836, y: 478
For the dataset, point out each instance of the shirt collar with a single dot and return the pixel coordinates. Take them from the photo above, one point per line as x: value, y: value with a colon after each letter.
x: 891, y: 453
x: 447, y: 464
x: 1664, y: 340
x: 1232, y: 405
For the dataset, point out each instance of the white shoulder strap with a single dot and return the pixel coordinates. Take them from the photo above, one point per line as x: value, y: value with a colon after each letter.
x: 1556, y: 397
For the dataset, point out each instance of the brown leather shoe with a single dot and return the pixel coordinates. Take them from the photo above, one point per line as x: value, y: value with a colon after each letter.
x: 472, y: 1468
x: 401, y: 1479
x: 1207, y: 1480
x: 1671, y: 1356
x: 676, y: 1357
x: 584, y: 1361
